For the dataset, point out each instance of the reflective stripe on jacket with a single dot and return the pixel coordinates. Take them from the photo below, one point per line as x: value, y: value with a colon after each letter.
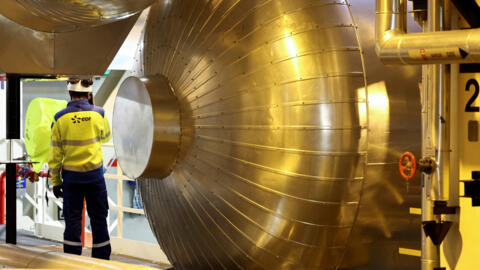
x: 78, y: 132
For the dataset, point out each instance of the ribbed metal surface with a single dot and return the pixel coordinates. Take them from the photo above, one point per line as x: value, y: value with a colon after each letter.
x: 69, y: 15
x: 273, y: 143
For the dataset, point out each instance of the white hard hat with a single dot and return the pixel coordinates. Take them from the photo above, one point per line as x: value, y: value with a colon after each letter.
x: 84, y: 86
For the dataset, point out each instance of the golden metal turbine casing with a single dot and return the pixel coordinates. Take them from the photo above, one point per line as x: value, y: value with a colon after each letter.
x: 264, y: 146
x: 69, y: 37
x: 273, y: 147
x: 69, y: 15
x: 146, y: 132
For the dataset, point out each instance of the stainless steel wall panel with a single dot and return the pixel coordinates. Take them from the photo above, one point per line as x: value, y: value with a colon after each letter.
x: 384, y: 223
x: 69, y: 15
x: 84, y: 52
x: 64, y: 37
x: 75, y: 54
x: 17, y: 53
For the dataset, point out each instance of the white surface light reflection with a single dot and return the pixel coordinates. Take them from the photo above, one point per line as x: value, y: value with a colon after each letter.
x: 378, y: 112
x: 292, y: 50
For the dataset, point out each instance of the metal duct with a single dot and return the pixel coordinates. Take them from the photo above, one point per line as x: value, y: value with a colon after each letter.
x: 273, y: 133
x: 394, y: 46
x: 74, y: 37
x: 85, y: 52
x: 69, y: 15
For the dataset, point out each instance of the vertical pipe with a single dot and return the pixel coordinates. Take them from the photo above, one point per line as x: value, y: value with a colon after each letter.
x: 389, y: 16
x: 403, y: 15
x: 429, y: 256
x: 435, y: 138
x: 440, y: 187
x: 445, y: 118
x: 454, y: 112
x: 13, y: 132
x: 435, y: 88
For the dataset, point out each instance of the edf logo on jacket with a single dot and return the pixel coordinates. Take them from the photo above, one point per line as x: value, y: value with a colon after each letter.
x: 79, y: 144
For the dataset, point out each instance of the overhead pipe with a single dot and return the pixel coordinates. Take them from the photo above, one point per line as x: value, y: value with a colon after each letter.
x: 395, y: 46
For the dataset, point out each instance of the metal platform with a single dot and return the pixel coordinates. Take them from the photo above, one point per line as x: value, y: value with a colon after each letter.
x: 26, y: 238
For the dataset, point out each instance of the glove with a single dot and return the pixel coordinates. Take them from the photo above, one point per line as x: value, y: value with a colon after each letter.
x: 57, y: 191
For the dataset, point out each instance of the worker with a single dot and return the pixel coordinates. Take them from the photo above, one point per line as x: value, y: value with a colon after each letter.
x: 76, y: 157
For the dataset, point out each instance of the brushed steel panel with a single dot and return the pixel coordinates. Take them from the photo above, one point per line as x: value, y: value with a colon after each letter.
x: 69, y: 15
x: 384, y: 223
x: 91, y: 50
x: 17, y: 53
x: 85, y: 52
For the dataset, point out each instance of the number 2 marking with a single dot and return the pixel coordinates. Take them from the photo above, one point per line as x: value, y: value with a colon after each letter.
x: 469, y: 107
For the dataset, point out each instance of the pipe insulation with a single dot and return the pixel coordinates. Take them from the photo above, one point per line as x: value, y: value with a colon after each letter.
x: 266, y: 160
x: 69, y: 15
x: 395, y: 46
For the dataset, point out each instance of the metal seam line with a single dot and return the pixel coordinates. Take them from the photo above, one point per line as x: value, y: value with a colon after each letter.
x: 241, y: 232
x: 264, y: 24
x: 276, y: 106
x: 288, y: 150
x: 270, y: 190
x: 263, y: 228
x: 282, y: 172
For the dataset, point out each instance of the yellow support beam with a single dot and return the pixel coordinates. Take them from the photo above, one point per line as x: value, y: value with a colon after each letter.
x: 415, y: 211
x: 410, y: 252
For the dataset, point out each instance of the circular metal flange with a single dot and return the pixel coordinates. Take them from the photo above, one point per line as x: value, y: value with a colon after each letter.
x: 146, y: 127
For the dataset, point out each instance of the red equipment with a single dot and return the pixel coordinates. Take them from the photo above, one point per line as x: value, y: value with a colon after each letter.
x: 407, y: 166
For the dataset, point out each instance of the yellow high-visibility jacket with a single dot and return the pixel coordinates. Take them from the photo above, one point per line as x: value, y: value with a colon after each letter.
x: 78, y: 132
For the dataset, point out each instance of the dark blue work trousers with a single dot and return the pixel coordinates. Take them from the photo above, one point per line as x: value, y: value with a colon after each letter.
x: 95, y: 194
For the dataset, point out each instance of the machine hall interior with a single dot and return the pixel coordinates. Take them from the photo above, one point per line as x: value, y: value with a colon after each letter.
x: 251, y: 134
